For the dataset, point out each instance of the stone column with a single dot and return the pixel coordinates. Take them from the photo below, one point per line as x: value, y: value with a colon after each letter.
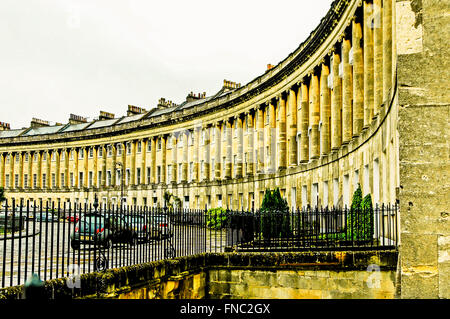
x: 133, y: 162
x: 163, y: 158
x: 144, y: 146
x: 260, y: 146
x: 387, y: 48
x: 336, y: 104
x: 281, y: 111
x: 292, y: 129
x: 304, y: 120
x: 49, y: 168
x: 207, y: 153
x: 272, y: 135
x: 347, y: 93
x: 240, y: 145
x: 123, y: 177
x: 95, y: 173
x: 196, y: 176
x: 250, y: 143
x: 2, y: 170
x: 218, y: 147
x: 368, y: 64
x: 229, y: 144
x: 58, y: 168
x: 174, y: 162
x: 325, y: 110
x: 20, y: 170
x: 153, y: 159
x: 39, y: 169
x: 66, y: 168
x: 104, y: 161
x: 12, y: 162
x: 314, y: 115
x: 185, y: 163
x: 378, y: 55
x: 30, y: 169
x: 358, y: 79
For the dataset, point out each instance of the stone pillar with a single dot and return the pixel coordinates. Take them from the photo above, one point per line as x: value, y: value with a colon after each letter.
x: 378, y: 55
x: 324, y: 111
x: 229, y: 144
x: 39, y: 169
x: 104, y: 161
x: 314, y: 115
x: 250, y: 143
x: 86, y: 167
x: 196, y: 148
x: 30, y: 169
x: 272, y: 135
x: 20, y: 170
x: 292, y: 129
x: 387, y: 48
x: 174, y: 163
x: 2, y: 170
x: 58, y: 168
x: 66, y: 168
x: 12, y: 163
x: 240, y: 146
x: 368, y: 63
x: 358, y: 79
x: 347, y: 93
x: 153, y: 159
x: 304, y: 120
x: 260, y: 146
x: 95, y: 173
x: 133, y: 162
x: 144, y: 146
x: 281, y: 111
x: 207, y: 157
x: 49, y: 168
x: 218, y: 147
x: 336, y: 104
x: 185, y: 163
x: 163, y: 158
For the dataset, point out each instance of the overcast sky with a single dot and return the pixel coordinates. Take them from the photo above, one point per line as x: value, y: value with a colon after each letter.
x: 63, y: 56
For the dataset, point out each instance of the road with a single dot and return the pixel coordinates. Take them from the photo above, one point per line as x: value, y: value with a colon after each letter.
x: 46, y: 251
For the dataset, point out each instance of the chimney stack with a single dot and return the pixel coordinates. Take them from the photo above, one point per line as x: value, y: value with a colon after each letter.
x: 38, y: 123
x: 133, y: 110
x: 4, y: 126
x: 229, y: 85
x: 105, y: 115
x: 76, y: 119
x: 269, y: 67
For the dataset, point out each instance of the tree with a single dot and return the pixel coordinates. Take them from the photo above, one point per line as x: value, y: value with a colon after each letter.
x: 274, y: 215
x: 360, y: 217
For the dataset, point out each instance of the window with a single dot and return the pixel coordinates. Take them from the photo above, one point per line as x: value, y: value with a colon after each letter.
x: 138, y: 176
x: 149, y: 146
x: 180, y: 172
x: 91, y: 152
x: 304, y: 196
x: 7, y: 180
x: 80, y: 181
x: 26, y: 157
x: 180, y: 142
x: 119, y: 149
x: 149, y: 176
x: 202, y: 140
x: 325, y: 194
x: 35, y: 157
x: 44, y: 180
x: 169, y: 173
x: 63, y: 181
x: 345, y: 191
x: 81, y: 154
x: 159, y: 144
x: 25, y: 180
x: 139, y: 147
x: 109, y: 148
x: 100, y: 151
x: 315, y: 195
x: 34, y: 181
x: 335, y: 192
x: 71, y: 155
x: 159, y: 174
x: 191, y: 139
x: 44, y: 156
x: 128, y: 148
x: 91, y: 179
x: 108, y: 178
x: 366, y: 187
x: 356, y: 180
x: 53, y: 180
x: 62, y: 156
x: 17, y: 158
x: 376, y: 182
x: 128, y: 177
x: 99, y: 178
x: 72, y: 181
x: 16, y: 180
x: 191, y: 171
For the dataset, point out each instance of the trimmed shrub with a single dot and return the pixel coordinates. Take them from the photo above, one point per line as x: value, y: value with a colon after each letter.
x: 360, y: 217
x: 216, y: 218
x: 274, y: 215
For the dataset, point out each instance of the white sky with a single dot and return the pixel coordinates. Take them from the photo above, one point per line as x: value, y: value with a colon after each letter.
x: 60, y: 56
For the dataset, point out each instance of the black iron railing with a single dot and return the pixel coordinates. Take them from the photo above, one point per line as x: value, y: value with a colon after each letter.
x: 56, y: 241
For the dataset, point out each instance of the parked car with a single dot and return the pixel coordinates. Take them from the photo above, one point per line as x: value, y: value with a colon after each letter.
x: 44, y: 216
x: 73, y: 218
x: 161, y: 226
x: 101, y: 230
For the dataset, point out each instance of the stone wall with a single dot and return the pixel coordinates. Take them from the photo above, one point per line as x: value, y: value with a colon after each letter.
x: 239, y: 275
x: 423, y: 117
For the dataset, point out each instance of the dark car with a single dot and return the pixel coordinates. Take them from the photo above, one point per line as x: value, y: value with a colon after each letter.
x: 161, y: 227
x: 101, y: 230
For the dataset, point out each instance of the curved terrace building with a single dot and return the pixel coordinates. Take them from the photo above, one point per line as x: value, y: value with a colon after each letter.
x: 315, y: 125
